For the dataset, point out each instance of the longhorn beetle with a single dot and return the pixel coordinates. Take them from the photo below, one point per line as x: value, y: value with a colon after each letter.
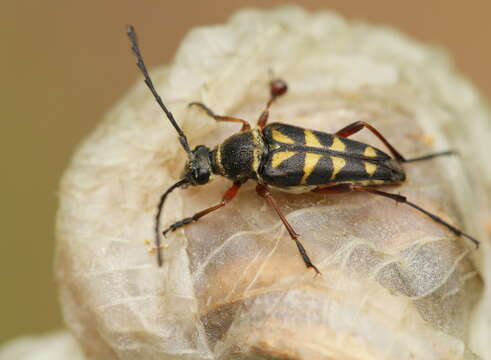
x: 287, y: 158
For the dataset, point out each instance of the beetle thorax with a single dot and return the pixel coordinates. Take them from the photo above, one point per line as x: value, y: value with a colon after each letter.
x: 238, y: 157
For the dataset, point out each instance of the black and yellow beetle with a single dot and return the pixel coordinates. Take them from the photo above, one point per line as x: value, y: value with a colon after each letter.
x: 287, y: 158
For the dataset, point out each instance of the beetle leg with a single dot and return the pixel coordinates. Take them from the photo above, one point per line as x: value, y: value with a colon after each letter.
x: 358, y: 125
x: 342, y: 188
x: 209, y: 112
x: 227, y: 197
x: 402, y: 199
x: 278, y: 87
x: 264, y: 192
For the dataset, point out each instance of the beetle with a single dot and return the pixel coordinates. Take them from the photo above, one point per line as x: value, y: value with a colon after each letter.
x: 287, y: 158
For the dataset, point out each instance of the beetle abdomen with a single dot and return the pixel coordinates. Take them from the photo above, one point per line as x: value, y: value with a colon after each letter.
x: 302, y: 157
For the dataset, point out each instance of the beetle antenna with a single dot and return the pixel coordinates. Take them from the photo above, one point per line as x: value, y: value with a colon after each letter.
x: 141, y: 65
x: 157, y: 217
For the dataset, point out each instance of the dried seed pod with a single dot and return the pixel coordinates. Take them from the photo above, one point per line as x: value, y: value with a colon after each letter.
x: 395, y: 285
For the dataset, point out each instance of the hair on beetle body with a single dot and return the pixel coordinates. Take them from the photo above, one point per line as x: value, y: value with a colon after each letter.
x: 286, y: 158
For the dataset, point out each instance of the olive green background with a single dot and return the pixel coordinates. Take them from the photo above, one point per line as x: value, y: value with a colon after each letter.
x: 63, y: 63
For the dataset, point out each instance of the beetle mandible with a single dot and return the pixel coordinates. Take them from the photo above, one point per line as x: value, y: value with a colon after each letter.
x: 287, y: 158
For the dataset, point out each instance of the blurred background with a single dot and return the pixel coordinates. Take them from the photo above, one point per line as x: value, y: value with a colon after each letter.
x: 64, y: 63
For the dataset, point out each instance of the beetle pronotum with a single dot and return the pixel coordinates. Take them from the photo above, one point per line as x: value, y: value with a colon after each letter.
x: 286, y: 158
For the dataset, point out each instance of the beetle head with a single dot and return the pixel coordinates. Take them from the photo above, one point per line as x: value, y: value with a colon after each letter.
x: 197, y: 170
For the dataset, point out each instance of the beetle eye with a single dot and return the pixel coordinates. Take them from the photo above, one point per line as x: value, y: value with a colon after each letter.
x: 202, y: 176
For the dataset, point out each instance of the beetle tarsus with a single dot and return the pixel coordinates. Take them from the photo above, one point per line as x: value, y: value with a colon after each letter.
x: 278, y: 87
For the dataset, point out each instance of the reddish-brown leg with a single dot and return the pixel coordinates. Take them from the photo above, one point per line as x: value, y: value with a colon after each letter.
x: 358, y: 125
x: 209, y: 112
x: 263, y: 191
x: 227, y: 197
x: 278, y: 87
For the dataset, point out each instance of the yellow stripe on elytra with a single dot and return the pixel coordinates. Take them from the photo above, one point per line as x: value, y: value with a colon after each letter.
x: 311, y: 140
x: 311, y: 161
x: 337, y: 164
x: 279, y: 157
x: 369, y: 152
x: 281, y: 137
x: 337, y: 144
x: 370, y: 168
